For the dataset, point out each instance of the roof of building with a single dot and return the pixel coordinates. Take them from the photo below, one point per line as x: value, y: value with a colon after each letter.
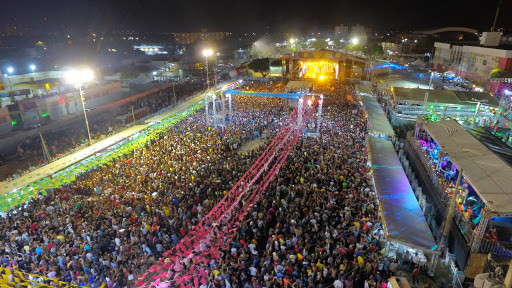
x: 447, y: 97
x: 42, y: 81
x: 466, y: 96
x: 364, y: 89
x: 377, y: 120
x: 487, y: 173
x: 418, y: 95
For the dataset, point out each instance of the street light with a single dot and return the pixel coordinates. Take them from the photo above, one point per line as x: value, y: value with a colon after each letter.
x: 206, y: 53
x: 477, y: 108
x: 355, y: 40
x: 78, y: 78
x: 33, y: 67
x: 10, y: 70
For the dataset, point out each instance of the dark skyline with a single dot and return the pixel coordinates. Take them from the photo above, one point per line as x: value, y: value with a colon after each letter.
x: 244, y: 15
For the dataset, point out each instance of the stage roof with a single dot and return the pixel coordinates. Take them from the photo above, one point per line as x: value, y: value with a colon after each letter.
x: 487, y: 173
x: 299, y: 85
x: 376, y: 118
x: 401, y: 213
x: 364, y: 89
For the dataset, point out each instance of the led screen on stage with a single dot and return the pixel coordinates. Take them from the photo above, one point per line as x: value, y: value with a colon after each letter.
x: 276, y: 71
x: 321, y: 69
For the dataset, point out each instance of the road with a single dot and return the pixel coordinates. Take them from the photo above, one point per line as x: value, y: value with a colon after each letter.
x: 98, y: 147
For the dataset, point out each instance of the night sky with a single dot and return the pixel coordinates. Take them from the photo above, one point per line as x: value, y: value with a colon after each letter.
x: 254, y: 16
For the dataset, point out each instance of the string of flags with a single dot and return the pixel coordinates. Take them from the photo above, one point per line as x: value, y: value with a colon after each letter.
x: 501, y: 80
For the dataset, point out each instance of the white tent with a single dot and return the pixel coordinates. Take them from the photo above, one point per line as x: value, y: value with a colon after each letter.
x: 142, y: 79
x: 449, y: 72
x: 488, y: 174
x: 418, y: 62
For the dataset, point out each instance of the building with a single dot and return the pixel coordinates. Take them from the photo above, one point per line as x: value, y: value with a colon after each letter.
x: 341, y: 32
x: 187, y: 38
x: 358, y: 32
x: 471, y: 62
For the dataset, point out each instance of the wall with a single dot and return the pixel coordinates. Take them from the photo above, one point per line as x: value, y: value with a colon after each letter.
x: 5, y: 121
x: 11, y: 80
x: 101, y: 90
x: 505, y: 64
x: 69, y: 103
x: 30, y: 110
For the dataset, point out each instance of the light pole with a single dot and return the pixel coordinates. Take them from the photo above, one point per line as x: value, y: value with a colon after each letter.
x: 32, y: 67
x: 10, y: 70
x: 206, y: 53
x: 78, y: 78
x: 425, y: 101
x: 477, y: 108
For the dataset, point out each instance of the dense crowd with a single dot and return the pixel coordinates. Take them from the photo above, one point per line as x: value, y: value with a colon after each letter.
x: 316, y: 226
x: 114, y: 222
x: 65, y: 141
x: 270, y: 87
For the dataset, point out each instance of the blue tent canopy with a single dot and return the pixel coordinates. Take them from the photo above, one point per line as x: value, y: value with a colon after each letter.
x: 403, y: 219
x: 264, y: 94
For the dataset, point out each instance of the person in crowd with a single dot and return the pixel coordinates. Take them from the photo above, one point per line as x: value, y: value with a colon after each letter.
x: 317, y: 224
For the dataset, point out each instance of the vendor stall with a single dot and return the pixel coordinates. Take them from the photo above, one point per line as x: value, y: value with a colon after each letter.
x: 483, y: 190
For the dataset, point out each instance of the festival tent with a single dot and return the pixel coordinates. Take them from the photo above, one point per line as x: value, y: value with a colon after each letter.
x: 487, y: 173
x: 402, y: 216
x: 377, y: 120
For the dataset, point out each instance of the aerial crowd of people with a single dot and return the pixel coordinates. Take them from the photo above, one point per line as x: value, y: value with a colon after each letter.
x: 317, y: 224
x: 68, y: 140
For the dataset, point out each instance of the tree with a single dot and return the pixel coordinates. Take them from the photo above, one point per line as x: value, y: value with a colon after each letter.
x: 261, y: 65
x: 498, y: 73
x: 374, y: 49
x: 320, y: 44
x: 355, y: 47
